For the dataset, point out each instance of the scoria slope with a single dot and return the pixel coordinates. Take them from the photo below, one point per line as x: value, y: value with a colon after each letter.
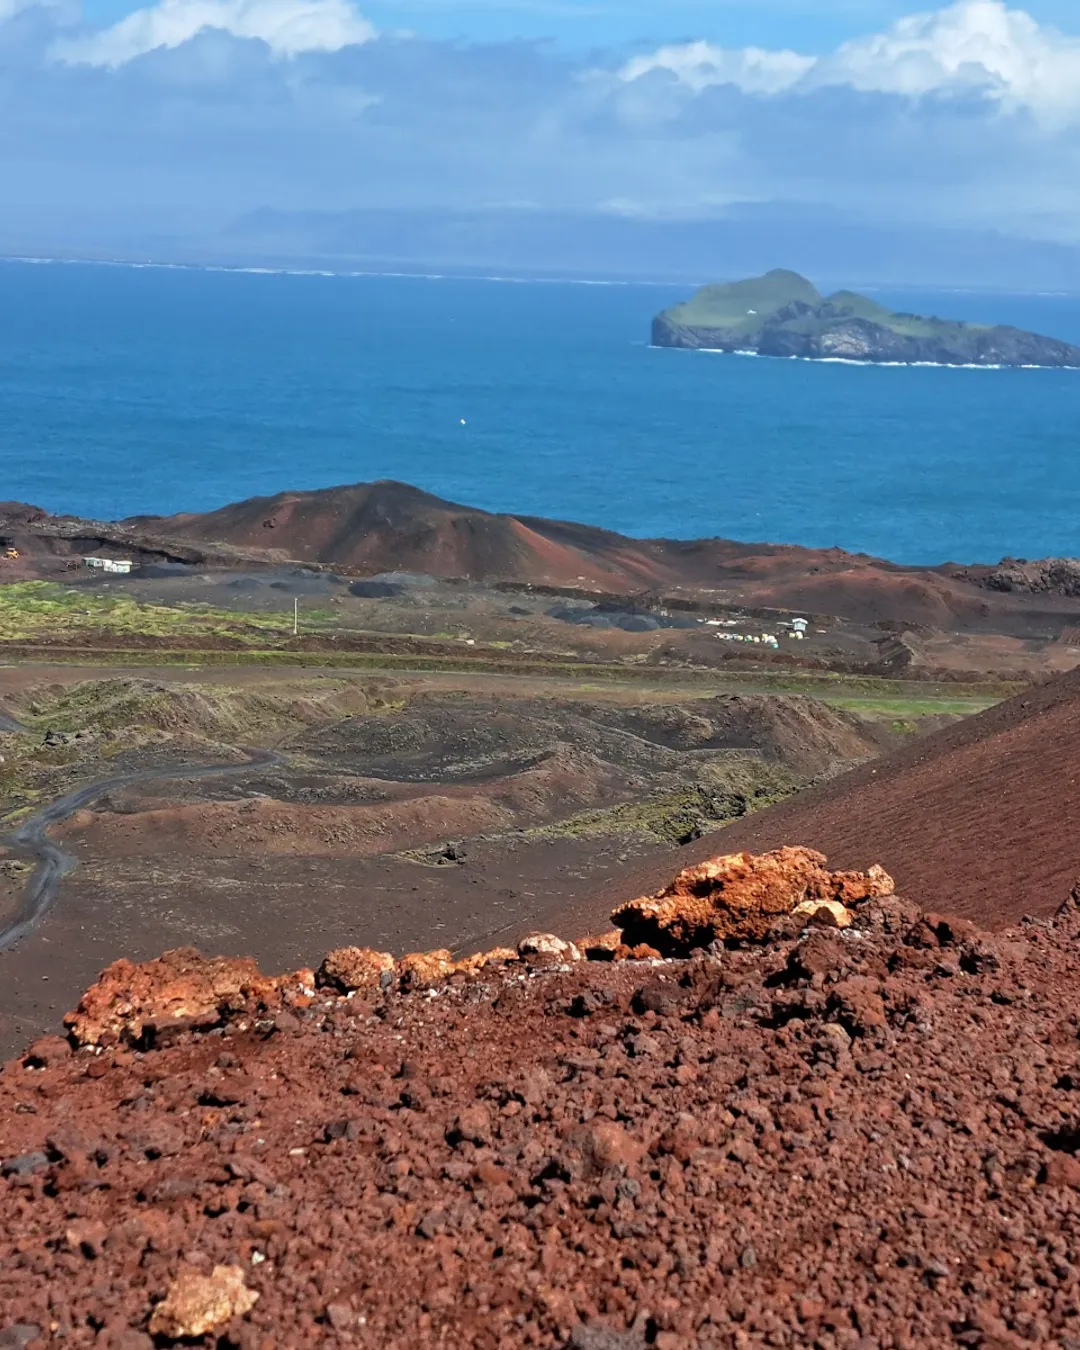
x: 388, y: 525
x: 859, y: 1138
x: 980, y: 819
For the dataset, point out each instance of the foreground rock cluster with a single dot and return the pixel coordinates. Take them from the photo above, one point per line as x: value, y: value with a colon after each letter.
x: 737, y: 896
x: 840, y: 1130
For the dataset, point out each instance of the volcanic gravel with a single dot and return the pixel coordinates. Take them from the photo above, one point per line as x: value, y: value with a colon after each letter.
x: 861, y: 1139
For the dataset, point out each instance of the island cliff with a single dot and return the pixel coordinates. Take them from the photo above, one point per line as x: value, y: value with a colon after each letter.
x: 783, y: 314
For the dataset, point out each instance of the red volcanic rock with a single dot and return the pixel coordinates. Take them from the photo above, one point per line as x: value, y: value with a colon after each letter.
x: 498, y: 956
x: 741, y: 895
x: 419, y: 970
x: 350, y: 969
x: 179, y: 991
x: 823, y: 1139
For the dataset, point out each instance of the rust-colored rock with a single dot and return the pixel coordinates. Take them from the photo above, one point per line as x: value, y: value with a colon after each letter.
x: 182, y: 989
x: 605, y: 1144
x: 353, y: 969
x: 419, y: 970
x: 197, y: 1304
x: 498, y: 956
x: 850, y: 888
x: 601, y: 946
x: 739, y: 895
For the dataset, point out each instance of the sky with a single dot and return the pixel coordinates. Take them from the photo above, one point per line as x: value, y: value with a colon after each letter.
x: 808, y: 25
x: 186, y: 113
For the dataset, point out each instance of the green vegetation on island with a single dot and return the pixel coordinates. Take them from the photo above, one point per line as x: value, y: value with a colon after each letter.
x: 782, y: 314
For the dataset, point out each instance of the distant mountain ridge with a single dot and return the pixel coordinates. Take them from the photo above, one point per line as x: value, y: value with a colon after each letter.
x: 782, y: 314
x: 599, y: 244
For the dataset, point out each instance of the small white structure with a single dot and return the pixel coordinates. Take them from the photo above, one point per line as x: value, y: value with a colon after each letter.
x: 121, y: 565
x: 800, y: 625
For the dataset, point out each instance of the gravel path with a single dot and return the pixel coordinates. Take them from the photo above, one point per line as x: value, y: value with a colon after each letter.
x: 52, y: 862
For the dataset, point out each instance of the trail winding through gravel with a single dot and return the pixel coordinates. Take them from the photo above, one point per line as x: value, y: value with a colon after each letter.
x: 52, y: 862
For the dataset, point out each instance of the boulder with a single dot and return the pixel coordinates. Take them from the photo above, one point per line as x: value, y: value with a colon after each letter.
x: 548, y: 945
x: 420, y: 970
x: 182, y: 989
x: 824, y: 913
x: 349, y: 969
x: 740, y: 896
x: 498, y: 956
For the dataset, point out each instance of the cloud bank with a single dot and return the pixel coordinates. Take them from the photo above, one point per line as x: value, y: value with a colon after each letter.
x: 968, y: 115
x: 287, y: 27
x: 974, y: 48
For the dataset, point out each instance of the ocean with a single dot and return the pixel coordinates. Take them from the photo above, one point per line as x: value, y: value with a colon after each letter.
x: 141, y: 389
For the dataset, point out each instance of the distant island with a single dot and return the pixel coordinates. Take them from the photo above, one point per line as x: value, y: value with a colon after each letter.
x: 783, y: 314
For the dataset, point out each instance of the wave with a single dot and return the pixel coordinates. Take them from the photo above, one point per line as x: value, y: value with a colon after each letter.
x: 139, y: 265
x: 849, y: 361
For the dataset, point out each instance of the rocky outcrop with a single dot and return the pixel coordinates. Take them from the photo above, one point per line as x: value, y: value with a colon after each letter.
x: 736, y: 897
x: 741, y: 896
x: 861, y: 340
x: 1048, y: 576
x: 180, y: 991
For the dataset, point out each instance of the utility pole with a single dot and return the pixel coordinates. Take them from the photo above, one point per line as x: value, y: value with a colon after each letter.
x: 295, y: 616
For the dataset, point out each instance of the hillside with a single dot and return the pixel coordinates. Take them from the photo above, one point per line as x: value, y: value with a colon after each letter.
x: 783, y: 314
x: 862, y: 1139
x: 390, y: 526
x: 387, y: 525
x: 977, y: 820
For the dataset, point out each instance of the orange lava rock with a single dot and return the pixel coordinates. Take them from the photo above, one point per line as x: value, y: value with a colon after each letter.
x: 421, y: 969
x: 182, y: 989
x: 850, y: 888
x: 197, y: 1304
x: 601, y: 947
x: 740, y: 895
x: 498, y: 956
x: 605, y: 1144
x: 349, y: 969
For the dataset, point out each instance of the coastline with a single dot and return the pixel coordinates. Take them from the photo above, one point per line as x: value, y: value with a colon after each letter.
x: 849, y: 361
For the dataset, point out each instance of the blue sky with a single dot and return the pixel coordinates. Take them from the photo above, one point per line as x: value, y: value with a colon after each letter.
x: 809, y: 26
x: 187, y: 113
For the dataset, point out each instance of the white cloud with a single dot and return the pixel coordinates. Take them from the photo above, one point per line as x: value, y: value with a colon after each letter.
x: 700, y: 64
x: 978, y: 44
x: 974, y: 46
x: 288, y: 27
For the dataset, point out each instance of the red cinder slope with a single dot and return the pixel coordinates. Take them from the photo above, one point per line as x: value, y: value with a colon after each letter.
x: 387, y: 525
x: 980, y: 820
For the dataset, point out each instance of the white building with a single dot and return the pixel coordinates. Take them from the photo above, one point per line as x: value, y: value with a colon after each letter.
x: 122, y: 565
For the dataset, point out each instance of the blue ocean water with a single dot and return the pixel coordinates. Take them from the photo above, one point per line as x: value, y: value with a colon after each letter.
x: 126, y: 390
